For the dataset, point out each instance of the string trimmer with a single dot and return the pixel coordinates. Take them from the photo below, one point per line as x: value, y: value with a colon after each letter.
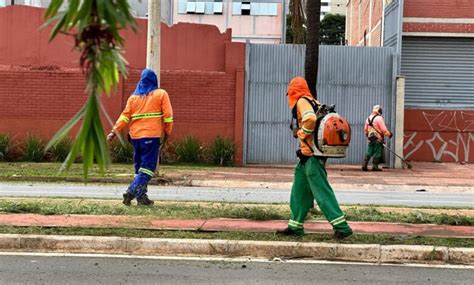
x: 408, y: 165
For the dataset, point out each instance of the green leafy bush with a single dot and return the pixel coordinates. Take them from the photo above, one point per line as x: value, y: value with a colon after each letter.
x: 189, y: 149
x: 62, y: 149
x: 5, y: 146
x: 222, y: 151
x: 121, y: 153
x: 33, y: 148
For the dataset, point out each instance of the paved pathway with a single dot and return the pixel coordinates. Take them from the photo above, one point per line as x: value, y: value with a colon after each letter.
x: 212, y: 225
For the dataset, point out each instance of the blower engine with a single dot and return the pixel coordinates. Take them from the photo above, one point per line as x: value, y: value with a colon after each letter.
x: 332, y: 133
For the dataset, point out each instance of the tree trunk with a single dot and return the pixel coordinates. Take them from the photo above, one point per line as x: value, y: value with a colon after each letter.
x: 297, y: 21
x: 313, y: 11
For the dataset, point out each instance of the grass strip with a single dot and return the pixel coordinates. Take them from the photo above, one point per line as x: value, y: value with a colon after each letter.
x: 51, y: 169
x: 193, y: 210
x: 355, y: 239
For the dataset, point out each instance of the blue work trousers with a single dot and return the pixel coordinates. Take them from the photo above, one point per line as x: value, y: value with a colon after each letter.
x: 145, y: 158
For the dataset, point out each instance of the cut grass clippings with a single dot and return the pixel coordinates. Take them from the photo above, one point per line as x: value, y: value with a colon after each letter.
x: 355, y: 239
x: 207, y: 210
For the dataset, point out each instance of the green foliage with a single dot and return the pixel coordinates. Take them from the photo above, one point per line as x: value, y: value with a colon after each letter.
x: 222, y: 151
x: 333, y: 29
x: 189, y: 150
x: 95, y: 27
x: 33, y: 148
x: 61, y: 150
x: 5, y: 146
x: 121, y: 152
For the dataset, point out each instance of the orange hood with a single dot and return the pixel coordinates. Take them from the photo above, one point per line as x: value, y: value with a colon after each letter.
x: 297, y: 88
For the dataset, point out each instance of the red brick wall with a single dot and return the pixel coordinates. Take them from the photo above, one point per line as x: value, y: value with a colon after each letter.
x: 439, y: 135
x: 23, y: 43
x: 438, y: 8
x: 41, y: 87
x: 370, y: 16
x: 438, y: 27
x: 441, y: 9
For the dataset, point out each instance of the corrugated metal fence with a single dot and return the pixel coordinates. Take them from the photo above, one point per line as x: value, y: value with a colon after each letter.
x: 353, y: 78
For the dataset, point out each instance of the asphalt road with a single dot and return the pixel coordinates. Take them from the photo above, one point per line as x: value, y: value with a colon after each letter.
x: 116, y: 270
x: 243, y: 195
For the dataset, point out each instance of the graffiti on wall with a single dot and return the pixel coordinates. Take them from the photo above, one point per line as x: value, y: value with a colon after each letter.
x: 442, y: 136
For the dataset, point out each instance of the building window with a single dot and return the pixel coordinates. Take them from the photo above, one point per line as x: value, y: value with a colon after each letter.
x: 208, y: 7
x: 254, y: 8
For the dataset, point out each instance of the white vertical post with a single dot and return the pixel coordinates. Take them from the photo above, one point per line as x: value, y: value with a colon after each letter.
x: 154, y: 37
x: 400, y: 117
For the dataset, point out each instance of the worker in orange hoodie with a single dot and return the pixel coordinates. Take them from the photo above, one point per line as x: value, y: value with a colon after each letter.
x: 310, y: 179
x: 150, y: 116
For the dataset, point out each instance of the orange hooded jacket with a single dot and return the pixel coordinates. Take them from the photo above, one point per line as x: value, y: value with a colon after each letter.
x: 306, y: 117
x: 149, y: 115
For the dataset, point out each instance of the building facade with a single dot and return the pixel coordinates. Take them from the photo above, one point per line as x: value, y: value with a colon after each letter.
x: 437, y: 60
x: 256, y: 21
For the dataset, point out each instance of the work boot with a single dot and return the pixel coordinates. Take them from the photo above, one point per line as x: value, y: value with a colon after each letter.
x: 375, y: 166
x: 366, y: 163
x: 127, y: 199
x: 289, y: 232
x: 340, y: 236
x: 144, y: 201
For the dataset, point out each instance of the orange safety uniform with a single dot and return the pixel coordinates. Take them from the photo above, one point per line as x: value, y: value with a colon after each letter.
x: 149, y: 115
x: 297, y: 89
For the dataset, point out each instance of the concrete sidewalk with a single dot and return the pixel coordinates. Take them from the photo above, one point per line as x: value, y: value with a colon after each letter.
x: 424, y: 176
x: 226, y: 225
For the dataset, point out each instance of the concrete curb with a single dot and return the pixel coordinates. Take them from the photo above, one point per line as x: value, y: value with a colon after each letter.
x: 372, y: 253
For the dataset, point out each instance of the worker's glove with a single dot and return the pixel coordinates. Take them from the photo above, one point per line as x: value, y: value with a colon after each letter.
x: 295, y: 133
x: 390, y: 136
x: 111, y: 136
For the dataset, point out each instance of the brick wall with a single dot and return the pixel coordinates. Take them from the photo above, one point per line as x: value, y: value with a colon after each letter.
x: 41, y: 89
x: 419, y: 16
x: 439, y: 135
x: 364, y: 18
x: 438, y: 8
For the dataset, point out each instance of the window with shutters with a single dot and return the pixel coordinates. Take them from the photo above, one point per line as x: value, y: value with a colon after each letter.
x: 254, y: 8
x: 208, y: 7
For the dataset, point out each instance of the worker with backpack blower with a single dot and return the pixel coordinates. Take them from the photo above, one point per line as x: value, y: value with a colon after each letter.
x: 310, y: 178
x: 375, y: 130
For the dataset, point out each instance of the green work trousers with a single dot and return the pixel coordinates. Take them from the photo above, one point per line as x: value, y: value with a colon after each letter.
x: 311, y: 182
x: 374, y: 149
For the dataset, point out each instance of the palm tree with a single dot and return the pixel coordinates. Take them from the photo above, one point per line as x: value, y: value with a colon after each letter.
x: 95, y: 26
x: 313, y: 11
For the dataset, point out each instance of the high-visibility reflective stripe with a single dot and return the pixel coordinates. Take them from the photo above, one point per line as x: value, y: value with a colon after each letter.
x: 306, y: 131
x: 168, y: 120
x: 337, y: 220
x: 295, y: 224
x: 298, y: 223
x: 146, y: 171
x: 124, y: 118
x: 340, y: 222
x: 308, y: 113
x: 147, y: 115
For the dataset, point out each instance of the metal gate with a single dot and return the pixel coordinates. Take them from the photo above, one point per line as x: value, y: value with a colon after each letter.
x: 352, y: 78
x: 439, y: 72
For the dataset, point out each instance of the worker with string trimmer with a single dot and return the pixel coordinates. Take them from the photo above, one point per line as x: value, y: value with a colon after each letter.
x: 375, y: 130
